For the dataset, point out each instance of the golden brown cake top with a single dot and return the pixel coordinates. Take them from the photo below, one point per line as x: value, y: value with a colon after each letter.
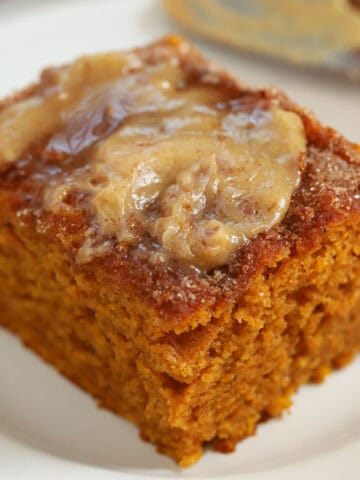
x: 162, y: 156
x: 148, y: 163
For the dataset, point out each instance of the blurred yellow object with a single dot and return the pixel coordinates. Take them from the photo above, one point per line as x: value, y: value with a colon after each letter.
x: 315, y: 32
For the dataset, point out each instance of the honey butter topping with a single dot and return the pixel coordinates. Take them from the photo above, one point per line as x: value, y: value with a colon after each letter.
x: 60, y: 92
x: 187, y: 168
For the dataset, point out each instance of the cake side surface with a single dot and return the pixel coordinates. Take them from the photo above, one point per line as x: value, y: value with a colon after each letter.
x: 297, y: 322
x: 191, y: 355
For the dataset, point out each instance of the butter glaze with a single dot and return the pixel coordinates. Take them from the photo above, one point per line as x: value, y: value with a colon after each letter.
x: 158, y: 157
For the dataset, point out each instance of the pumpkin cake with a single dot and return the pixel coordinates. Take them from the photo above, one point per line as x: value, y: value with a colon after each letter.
x: 184, y: 248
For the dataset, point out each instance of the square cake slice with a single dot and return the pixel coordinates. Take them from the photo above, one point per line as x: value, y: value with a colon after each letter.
x: 184, y: 248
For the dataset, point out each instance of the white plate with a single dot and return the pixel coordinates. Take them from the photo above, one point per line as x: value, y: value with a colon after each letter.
x: 50, y: 430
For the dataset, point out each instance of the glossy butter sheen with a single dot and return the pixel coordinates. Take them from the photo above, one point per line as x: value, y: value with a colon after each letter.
x: 169, y: 162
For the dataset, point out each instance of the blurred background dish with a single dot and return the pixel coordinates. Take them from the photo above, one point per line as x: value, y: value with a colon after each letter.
x: 321, y: 33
